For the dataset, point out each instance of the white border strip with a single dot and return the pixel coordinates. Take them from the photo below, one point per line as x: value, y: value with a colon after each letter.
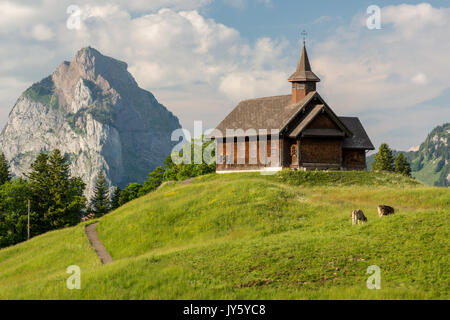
x: 270, y: 169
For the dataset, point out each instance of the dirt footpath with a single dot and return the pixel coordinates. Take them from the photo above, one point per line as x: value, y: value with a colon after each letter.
x: 91, y: 232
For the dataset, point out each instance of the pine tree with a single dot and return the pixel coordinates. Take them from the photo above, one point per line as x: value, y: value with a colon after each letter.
x: 384, y: 159
x: 5, y: 175
x: 57, y: 197
x: 39, y: 182
x: 100, y: 200
x: 115, y: 198
x: 402, y: 165
x: 67, y: 200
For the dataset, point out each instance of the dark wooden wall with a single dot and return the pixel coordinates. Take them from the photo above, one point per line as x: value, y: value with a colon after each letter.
x: 354, y: 159
x: 320, y: 153
x: 322, y: 121
x: 315, y: 150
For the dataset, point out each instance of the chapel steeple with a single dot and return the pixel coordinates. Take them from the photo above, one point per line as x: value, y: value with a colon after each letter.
x: 303, y: 80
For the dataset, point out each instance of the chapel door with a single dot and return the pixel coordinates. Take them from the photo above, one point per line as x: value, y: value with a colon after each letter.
x: 294, y: 155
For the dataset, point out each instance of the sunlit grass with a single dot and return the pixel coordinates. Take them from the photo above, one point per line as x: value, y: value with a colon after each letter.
x: 246, y: 236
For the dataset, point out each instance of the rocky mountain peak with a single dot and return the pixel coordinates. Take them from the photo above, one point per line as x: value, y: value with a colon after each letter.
x: 94, y: 111
x: 96, y: 70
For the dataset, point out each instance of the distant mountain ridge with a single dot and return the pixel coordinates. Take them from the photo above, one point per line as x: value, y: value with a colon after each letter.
x: 93, y: 110
x: 431, y: 163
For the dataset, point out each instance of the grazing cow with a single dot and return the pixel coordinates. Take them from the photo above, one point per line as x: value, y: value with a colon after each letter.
x: 358, y: 217
x: 385, y: 210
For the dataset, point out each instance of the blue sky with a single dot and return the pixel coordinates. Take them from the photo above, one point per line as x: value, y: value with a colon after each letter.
x: 320, y: 19
x: 201, y: 57
x: 255, y: 19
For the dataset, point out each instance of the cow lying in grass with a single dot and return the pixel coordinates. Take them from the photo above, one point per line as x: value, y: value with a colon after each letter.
x: 358, y: 217
x: 385, y: 210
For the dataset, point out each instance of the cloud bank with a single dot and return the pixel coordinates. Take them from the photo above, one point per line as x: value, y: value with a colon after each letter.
x: 200, y: 68
x: 389, y: 75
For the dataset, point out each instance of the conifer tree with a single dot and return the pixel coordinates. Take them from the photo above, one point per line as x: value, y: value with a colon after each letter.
x: 384, y: 159
x: 67, y: 200
x: 5, y: 175
x: 402, y: 165
x: 39, y: 182
x: 115, y: 198
x: 57, y: 197
x: 100, y: 200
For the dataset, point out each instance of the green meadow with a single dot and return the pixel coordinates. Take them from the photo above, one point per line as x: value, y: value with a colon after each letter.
x: 249, y: 236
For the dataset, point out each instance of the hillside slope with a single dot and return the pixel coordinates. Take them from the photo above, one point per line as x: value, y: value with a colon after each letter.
x: 246, y: 236
x: 431, y: 163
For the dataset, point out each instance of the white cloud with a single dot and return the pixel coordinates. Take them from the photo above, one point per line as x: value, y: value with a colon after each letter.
x: 173, y: 49
x: 158, y: 4
x: 12, y: 13
x: 420, y: 79
x: 377, y: 73
x: 41, y: 32
x: 409, y: 19
x: 246, y: 85
x: 167, y: 50
x: 262, y: 73
x: 200, y: 68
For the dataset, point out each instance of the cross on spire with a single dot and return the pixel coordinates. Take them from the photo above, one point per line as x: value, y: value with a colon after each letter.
x: 304, y: 72
x: 304, y: 35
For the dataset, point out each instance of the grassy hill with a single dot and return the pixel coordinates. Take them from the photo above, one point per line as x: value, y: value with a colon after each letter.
x: 247, y: 236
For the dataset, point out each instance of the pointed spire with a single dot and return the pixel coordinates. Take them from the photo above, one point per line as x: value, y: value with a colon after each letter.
x: 304, y: 72
x: 303, y: 64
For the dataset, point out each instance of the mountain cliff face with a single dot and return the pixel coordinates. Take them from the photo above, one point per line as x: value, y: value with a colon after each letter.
x: 431, y: 163
x: 93, y: 110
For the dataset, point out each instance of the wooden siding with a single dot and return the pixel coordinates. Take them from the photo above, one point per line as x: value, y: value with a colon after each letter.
x: 321, y: 151
x: 322, y: 121
x: 354, y: 159
x: 245, y: 159
x: 301, y: 89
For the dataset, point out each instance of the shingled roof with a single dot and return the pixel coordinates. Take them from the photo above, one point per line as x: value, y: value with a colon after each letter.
x: 312, y: 114
x: 304, y: 71
x: 263, y: 113
x: 276, y: 112
x: 360, y: 139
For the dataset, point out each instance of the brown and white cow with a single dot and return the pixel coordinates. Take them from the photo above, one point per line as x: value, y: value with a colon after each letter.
x: 384, y: 210
x: 358, y: 217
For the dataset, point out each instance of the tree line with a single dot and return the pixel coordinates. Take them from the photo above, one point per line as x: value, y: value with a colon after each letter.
x: 384, y: 161
x: 104, y: 201
x: 57, y: 199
